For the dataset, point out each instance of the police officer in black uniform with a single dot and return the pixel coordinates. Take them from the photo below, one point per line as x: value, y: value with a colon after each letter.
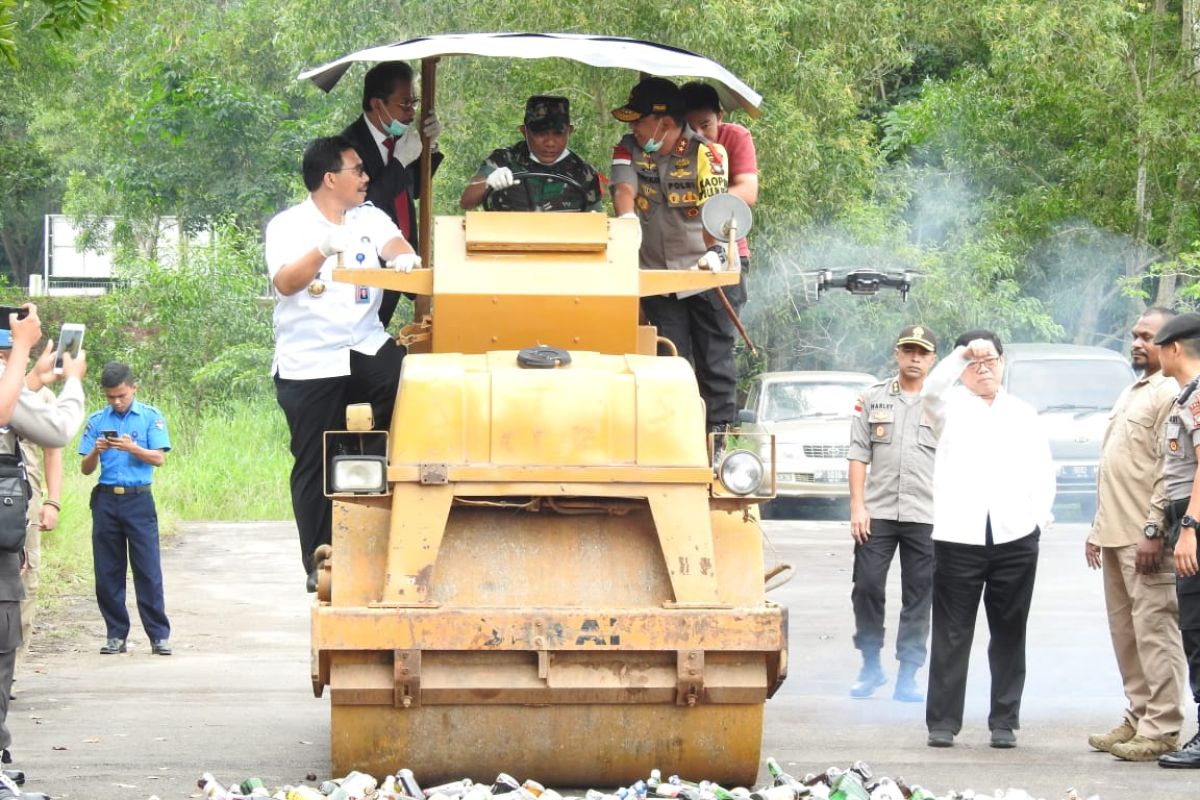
x: 1179, y: 343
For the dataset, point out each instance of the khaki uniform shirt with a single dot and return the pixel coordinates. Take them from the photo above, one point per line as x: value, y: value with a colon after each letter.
x: 1131, y: 460
x: 46, y: 424
x: 891, y: 433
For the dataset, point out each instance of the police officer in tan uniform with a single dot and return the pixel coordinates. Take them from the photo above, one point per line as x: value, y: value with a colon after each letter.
x: 1178, y: 503
x: 1139, y: 573
x: 662, y: 173
x: 892, y: 508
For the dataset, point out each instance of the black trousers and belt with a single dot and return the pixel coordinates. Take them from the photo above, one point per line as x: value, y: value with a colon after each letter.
x: 1187, y: 590
x: 318, y: 405
x: 1004, y: 575
x: 703, y: 333
x: 871, y: 564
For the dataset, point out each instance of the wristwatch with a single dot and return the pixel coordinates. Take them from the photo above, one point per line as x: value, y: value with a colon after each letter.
x: 1151, y: 531
x: 1189, y: 521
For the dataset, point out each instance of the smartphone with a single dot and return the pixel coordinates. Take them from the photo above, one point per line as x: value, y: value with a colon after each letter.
x: 70, y: 339
x: 109, y: 434
x: 21, y: 313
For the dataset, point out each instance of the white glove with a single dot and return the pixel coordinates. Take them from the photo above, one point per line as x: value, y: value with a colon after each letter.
x: 501, y: 179
x: 713, y: 259
x: 408, y: 146
x: 432, y: 128
x: 405, y: 262
x: 633, y: 215
x: 337, y: 240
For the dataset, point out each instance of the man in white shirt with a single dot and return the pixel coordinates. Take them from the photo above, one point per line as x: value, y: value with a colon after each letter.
x: 330, y: 346
x: 993, y: 488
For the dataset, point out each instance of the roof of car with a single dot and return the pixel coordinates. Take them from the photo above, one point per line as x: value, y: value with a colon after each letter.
x: 1033, y: 351
x: 816, y: 376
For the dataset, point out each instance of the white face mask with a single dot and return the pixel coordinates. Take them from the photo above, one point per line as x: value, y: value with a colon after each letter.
x: 566, y: 152
x: 395, y: 127
x: 653, y: 145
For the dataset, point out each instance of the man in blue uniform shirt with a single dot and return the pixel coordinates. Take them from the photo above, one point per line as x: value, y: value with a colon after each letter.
x: 128, y: 439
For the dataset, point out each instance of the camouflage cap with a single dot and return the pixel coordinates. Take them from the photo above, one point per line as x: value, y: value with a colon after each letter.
x: 544, y: 112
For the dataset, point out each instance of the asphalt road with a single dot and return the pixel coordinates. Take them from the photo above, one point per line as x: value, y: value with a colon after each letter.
x: 236, y: 700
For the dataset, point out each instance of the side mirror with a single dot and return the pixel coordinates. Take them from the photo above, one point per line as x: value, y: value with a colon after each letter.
x: 746, y: 416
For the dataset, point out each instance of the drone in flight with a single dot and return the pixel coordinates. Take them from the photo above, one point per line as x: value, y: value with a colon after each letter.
x: 865, y: 281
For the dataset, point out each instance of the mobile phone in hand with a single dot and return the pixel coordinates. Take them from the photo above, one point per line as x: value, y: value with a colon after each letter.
x: 69, y: 340
x: 21, y: 313
x: 110, y: 435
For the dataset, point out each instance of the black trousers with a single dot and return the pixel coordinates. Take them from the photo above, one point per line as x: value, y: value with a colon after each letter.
x: 1188, y: 592
x: 1004, y: 574
x: 871, y: 563
x: 318, y: 405
x: 704, y: 334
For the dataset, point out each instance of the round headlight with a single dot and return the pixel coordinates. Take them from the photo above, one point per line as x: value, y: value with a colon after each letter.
x: 742, y: 472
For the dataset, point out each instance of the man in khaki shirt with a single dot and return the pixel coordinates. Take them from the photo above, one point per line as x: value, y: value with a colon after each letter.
x: 1139, y: 576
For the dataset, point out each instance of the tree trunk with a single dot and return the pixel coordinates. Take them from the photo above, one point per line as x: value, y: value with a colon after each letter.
x: 1191, y: 39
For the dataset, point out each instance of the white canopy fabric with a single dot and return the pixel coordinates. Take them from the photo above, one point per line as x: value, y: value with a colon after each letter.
x: 598, y: 51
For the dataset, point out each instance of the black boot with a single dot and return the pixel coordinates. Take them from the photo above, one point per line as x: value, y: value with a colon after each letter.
x: 906, y: 684
x: 720, y: 433
x: 870, y: 677
x: 1186, y: 757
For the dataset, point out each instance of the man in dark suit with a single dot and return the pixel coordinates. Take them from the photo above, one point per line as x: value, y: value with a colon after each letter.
x: 389, y: 145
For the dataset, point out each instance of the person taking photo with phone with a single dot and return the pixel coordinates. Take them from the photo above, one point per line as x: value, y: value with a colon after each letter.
x: 44, y: 467
x: 127, y: 439
x: 26, y: 417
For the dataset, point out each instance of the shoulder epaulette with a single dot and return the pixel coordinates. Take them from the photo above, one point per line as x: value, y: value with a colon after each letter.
x: 1188, y: 389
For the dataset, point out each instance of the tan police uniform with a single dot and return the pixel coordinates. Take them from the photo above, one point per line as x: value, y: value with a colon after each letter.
x: 35, y: 468
x: 1142, y: 609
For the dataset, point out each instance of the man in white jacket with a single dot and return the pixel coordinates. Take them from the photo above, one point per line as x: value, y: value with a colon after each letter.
x: 993, y: 488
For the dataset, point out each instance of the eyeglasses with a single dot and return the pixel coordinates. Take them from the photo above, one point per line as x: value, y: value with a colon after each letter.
x: 358, y: 169
x: 406, y: 105
x: 981, y: 364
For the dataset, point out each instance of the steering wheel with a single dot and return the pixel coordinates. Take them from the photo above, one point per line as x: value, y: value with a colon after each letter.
x: 520, y: 196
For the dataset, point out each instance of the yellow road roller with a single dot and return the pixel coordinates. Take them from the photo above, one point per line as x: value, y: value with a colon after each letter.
x: 546, y: 574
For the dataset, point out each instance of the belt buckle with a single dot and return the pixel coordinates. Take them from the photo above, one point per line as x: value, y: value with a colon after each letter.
x: 118, y: 490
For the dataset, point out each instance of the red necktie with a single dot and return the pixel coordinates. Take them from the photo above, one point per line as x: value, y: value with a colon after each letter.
x: 403, y: 218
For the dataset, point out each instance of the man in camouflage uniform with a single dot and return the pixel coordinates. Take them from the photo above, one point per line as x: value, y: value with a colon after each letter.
x: 662, y: 173
x: 1177, y: 503
x: 511, y: 178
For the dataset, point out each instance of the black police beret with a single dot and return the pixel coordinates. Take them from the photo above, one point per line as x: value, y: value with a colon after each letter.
x: 1185, y: 326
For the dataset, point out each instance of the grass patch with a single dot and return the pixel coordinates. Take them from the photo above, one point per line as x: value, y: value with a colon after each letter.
x: 229, y: 463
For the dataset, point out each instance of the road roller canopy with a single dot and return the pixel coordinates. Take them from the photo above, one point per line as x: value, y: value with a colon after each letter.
x: 597, y: 51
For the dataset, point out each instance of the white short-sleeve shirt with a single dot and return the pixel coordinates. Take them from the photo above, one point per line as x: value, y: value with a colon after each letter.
x: 316, y: 330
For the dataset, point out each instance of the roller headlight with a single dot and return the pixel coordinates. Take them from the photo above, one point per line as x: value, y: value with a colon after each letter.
x: 742, y: 472
x: 359, y: 475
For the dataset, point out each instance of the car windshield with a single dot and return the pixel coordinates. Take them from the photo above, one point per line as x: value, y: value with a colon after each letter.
x: 808, y: 399
x: 1068, y: 384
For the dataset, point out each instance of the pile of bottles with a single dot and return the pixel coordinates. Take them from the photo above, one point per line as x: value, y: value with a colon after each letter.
x: 855, y: 783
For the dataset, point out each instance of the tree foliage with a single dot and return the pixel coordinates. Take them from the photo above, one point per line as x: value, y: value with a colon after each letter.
x: 1036, y: 160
